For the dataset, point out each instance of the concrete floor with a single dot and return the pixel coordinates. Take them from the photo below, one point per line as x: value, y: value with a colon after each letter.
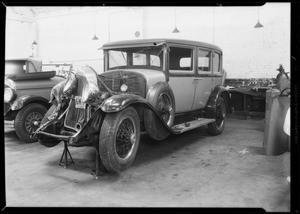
x: 189, y: 170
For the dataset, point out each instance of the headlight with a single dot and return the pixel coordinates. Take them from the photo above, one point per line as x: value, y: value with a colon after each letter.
x: 123, y: 88
x: 10, y: 84
x: 90, y: 92
x: 70, y: 84
x: 8, y: 95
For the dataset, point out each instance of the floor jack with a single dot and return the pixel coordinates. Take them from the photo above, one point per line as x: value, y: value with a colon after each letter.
x: 99, y: 168
x: 65, y: 163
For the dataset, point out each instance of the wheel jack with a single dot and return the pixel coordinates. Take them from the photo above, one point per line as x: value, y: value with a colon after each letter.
x: 64, y: 156
x: 100, y: 169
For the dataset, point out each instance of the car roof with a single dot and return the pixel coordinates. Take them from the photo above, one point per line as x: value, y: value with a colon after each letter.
x: 16, y: 59
x: 138, y: 42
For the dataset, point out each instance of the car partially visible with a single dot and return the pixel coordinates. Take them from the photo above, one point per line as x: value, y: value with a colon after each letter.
x: 26, y: 94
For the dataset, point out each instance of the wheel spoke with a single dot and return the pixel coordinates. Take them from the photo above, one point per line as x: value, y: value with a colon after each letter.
x: 125, y: 138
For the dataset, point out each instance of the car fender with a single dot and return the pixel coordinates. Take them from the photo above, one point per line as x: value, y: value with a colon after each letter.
x: 113, y: 104
x: 20, y: 102
x: 219, y: 91
x: 118, y: 102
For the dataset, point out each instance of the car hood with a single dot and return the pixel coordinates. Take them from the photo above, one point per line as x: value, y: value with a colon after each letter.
x: 151, y: 76
x: 38, y: 84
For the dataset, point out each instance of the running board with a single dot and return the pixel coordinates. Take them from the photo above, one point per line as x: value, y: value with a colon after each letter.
x: 183, y: 127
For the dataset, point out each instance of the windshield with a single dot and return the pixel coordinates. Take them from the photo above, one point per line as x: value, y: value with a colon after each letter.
x: 137, y: 57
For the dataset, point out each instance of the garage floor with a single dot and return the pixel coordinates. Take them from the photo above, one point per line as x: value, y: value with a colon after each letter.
x: 190, y: 170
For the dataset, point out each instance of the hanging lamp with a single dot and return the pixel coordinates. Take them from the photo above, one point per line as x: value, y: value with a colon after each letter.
x: 175, y: 29
x: 258, y: 24
x: 95, y: 37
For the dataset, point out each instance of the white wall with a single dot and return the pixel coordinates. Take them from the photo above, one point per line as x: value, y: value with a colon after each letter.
x: 20, y: 32
x: 248, y: 52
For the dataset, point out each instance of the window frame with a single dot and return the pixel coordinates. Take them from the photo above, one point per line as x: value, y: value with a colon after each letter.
x: 220, y: 73
x: 205, y: 73
x: 182, y: 73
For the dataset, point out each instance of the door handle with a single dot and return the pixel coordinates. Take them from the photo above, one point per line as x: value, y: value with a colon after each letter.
x: 197, y: 78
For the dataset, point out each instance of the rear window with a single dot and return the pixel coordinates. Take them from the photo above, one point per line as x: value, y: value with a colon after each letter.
x: 203, y: 60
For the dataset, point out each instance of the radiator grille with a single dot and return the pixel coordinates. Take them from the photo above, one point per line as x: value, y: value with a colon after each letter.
x: 134, y: 81
x: 74, y: 115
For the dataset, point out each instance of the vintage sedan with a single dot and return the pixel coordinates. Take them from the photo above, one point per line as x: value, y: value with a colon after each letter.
x: 26, y: 94
x: 147, y: 85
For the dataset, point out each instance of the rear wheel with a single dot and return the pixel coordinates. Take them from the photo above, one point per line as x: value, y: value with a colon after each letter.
x: 28, y: 120
x: 217, y: 127
x: 44, y: 140
x: 119, y: 139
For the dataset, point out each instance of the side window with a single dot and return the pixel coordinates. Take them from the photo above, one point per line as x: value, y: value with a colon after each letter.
x: 181, y: 60
x: 216, y: 63
x: 203, y: 61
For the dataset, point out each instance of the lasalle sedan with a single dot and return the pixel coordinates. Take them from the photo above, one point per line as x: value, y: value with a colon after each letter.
x: 147, y: 85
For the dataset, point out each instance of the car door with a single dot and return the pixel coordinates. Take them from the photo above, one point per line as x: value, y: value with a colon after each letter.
x: 203, y: 80
x: 181, y: 76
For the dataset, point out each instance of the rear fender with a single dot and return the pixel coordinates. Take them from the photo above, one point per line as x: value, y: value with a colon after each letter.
x: 219, y: 91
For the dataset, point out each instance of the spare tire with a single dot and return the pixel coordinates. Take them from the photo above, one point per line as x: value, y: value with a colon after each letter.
x: 161, y: 97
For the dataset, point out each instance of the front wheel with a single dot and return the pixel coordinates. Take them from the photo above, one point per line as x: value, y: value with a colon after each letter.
x: 119, y: 139
x: 28, y: 120
x: 217, y: 127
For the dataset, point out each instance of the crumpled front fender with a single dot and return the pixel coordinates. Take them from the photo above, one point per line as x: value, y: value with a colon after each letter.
x: 57, y: 91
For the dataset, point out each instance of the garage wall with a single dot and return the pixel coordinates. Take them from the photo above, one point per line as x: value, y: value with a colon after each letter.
x: 68, y: 38
x: 20, y: 32
x: 249, y: 52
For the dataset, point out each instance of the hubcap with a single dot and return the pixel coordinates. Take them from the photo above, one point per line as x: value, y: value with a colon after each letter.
x: 165, y: 108
x: 32, y: 122
x: 220, y: 115
x: 125, y: 138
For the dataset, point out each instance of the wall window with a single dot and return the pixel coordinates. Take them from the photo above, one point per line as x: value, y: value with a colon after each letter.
x: 203, y: 61
x: 181, y: 60
x: 216, y: 63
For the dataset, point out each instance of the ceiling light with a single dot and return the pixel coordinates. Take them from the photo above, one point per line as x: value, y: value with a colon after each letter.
x: 95, y: 37
x: 175, y: 29
x: 258, y: 24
